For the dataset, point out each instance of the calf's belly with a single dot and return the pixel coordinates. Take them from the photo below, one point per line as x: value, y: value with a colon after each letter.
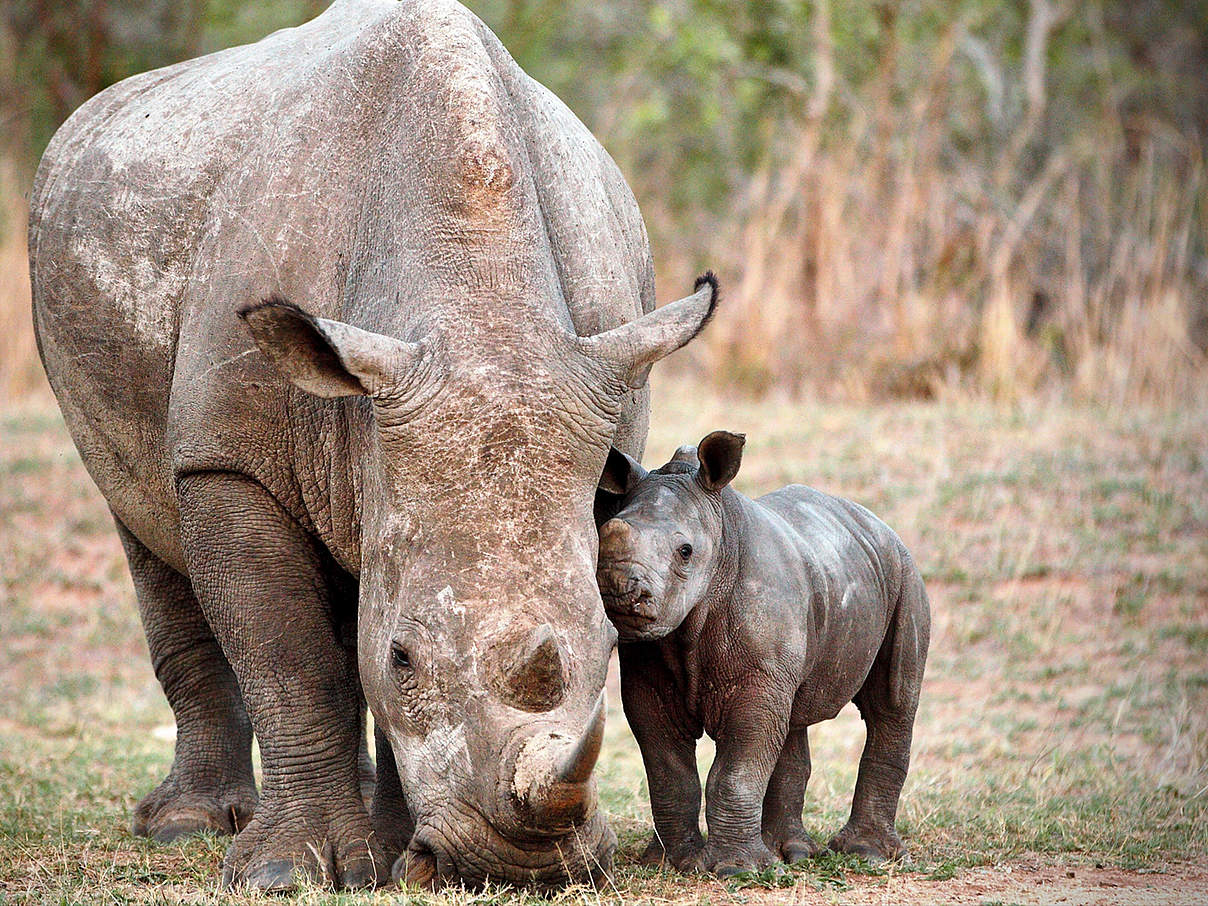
x: 831, y: 685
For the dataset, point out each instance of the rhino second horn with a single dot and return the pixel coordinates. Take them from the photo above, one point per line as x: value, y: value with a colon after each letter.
x: 531, y: 673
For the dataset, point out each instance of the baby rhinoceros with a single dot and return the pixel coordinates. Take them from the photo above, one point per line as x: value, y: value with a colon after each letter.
x: 752, y: 620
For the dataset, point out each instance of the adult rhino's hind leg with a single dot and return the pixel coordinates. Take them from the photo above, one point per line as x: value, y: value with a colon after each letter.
x: 266, y: 588
x: 211, y: 785
x: 888, y: 701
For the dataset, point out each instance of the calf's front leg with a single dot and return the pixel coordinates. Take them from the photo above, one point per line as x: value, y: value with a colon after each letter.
x: 749, y: 740
x: 785, y: 800
x: 667, y: 740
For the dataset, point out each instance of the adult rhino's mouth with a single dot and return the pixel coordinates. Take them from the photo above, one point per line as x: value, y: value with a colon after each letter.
x: 440, y: 855
x: 545, y: 828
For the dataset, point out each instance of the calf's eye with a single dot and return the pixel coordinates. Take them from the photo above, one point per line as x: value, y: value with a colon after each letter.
x: 685, y: 551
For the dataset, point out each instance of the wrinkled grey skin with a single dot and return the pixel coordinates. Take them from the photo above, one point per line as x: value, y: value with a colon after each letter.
x: 751, y: 620
x: 383, y: 486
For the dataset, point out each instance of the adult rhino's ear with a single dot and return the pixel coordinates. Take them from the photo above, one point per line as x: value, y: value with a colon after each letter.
x: 329, y: 358
x: 635, y: 347
x: 720, y: 456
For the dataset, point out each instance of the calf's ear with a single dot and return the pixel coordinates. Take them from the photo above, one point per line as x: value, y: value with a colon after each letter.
x: 621, y: 473
x: 329, y: 358
x: 720, y: 456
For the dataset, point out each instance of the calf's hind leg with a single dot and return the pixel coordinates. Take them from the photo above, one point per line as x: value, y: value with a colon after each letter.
x: 888, y: 701
x: 782, y: 804
x: 210, y: 785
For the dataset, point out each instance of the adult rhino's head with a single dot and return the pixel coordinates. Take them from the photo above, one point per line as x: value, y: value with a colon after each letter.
x: 483, y: 643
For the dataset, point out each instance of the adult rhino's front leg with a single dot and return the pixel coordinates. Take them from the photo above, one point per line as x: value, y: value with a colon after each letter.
x: 262, y: 584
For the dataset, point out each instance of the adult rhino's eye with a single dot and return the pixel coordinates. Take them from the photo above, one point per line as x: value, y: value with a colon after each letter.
x: 685, y: 551
x: 400, y: 657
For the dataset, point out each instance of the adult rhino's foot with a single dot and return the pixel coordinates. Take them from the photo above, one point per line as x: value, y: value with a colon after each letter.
x: 683, y: 856
x: 277, y: 851
x: 726, y: 860
x: 876, y: 844
x: 181, y: 806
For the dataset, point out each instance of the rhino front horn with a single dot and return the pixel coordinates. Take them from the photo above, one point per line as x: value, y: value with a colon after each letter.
x: 577, y: 762
x: 552, y: 778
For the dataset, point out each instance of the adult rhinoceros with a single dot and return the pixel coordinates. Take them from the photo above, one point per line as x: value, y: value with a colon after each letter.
x: 410, y: 446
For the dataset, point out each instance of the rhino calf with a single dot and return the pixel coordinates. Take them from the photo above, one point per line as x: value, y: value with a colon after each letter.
x: 752, y: 620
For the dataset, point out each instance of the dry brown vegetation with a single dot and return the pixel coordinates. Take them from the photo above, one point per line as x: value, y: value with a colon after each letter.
x: 20, y: 370
x: 873, y: 257
x: 975, y: 203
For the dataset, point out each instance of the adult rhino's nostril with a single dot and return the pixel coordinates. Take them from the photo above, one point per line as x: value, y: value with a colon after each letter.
x: 529, y: 673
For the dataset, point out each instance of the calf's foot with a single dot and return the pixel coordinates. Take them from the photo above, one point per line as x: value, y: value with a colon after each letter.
x: 683, y: 855
x: 870, y: 843
x: 725, y: 860
x: 178, y: 807
x: 792, y: 844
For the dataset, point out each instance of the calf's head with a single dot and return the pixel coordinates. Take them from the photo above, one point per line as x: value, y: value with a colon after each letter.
x: 482, y: 639
x: 661, y: 549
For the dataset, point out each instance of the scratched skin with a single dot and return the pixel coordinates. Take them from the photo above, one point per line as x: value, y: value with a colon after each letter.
x: 750, y: 620
x: 377, y: 486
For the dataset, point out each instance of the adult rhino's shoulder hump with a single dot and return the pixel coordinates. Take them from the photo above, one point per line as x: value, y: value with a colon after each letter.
x: 351, y: 57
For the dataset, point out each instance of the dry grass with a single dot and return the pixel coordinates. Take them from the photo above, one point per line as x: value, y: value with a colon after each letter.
x: 895, y: 246
x: 919, y: 281
x: 20, y: 371
x: 1062, y: 746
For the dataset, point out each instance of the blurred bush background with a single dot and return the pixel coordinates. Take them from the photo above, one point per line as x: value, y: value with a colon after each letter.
x: 904, y: 199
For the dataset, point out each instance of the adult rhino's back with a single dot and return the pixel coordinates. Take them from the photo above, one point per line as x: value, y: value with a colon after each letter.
x: 173, y: 197
x: 120, y: 219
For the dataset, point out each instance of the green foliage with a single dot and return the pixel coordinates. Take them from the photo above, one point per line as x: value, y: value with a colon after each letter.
x: 877, y: 175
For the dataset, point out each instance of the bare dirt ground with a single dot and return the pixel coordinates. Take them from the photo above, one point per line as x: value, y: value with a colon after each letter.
x: 1021, y: 882
x: 1061, y: 754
